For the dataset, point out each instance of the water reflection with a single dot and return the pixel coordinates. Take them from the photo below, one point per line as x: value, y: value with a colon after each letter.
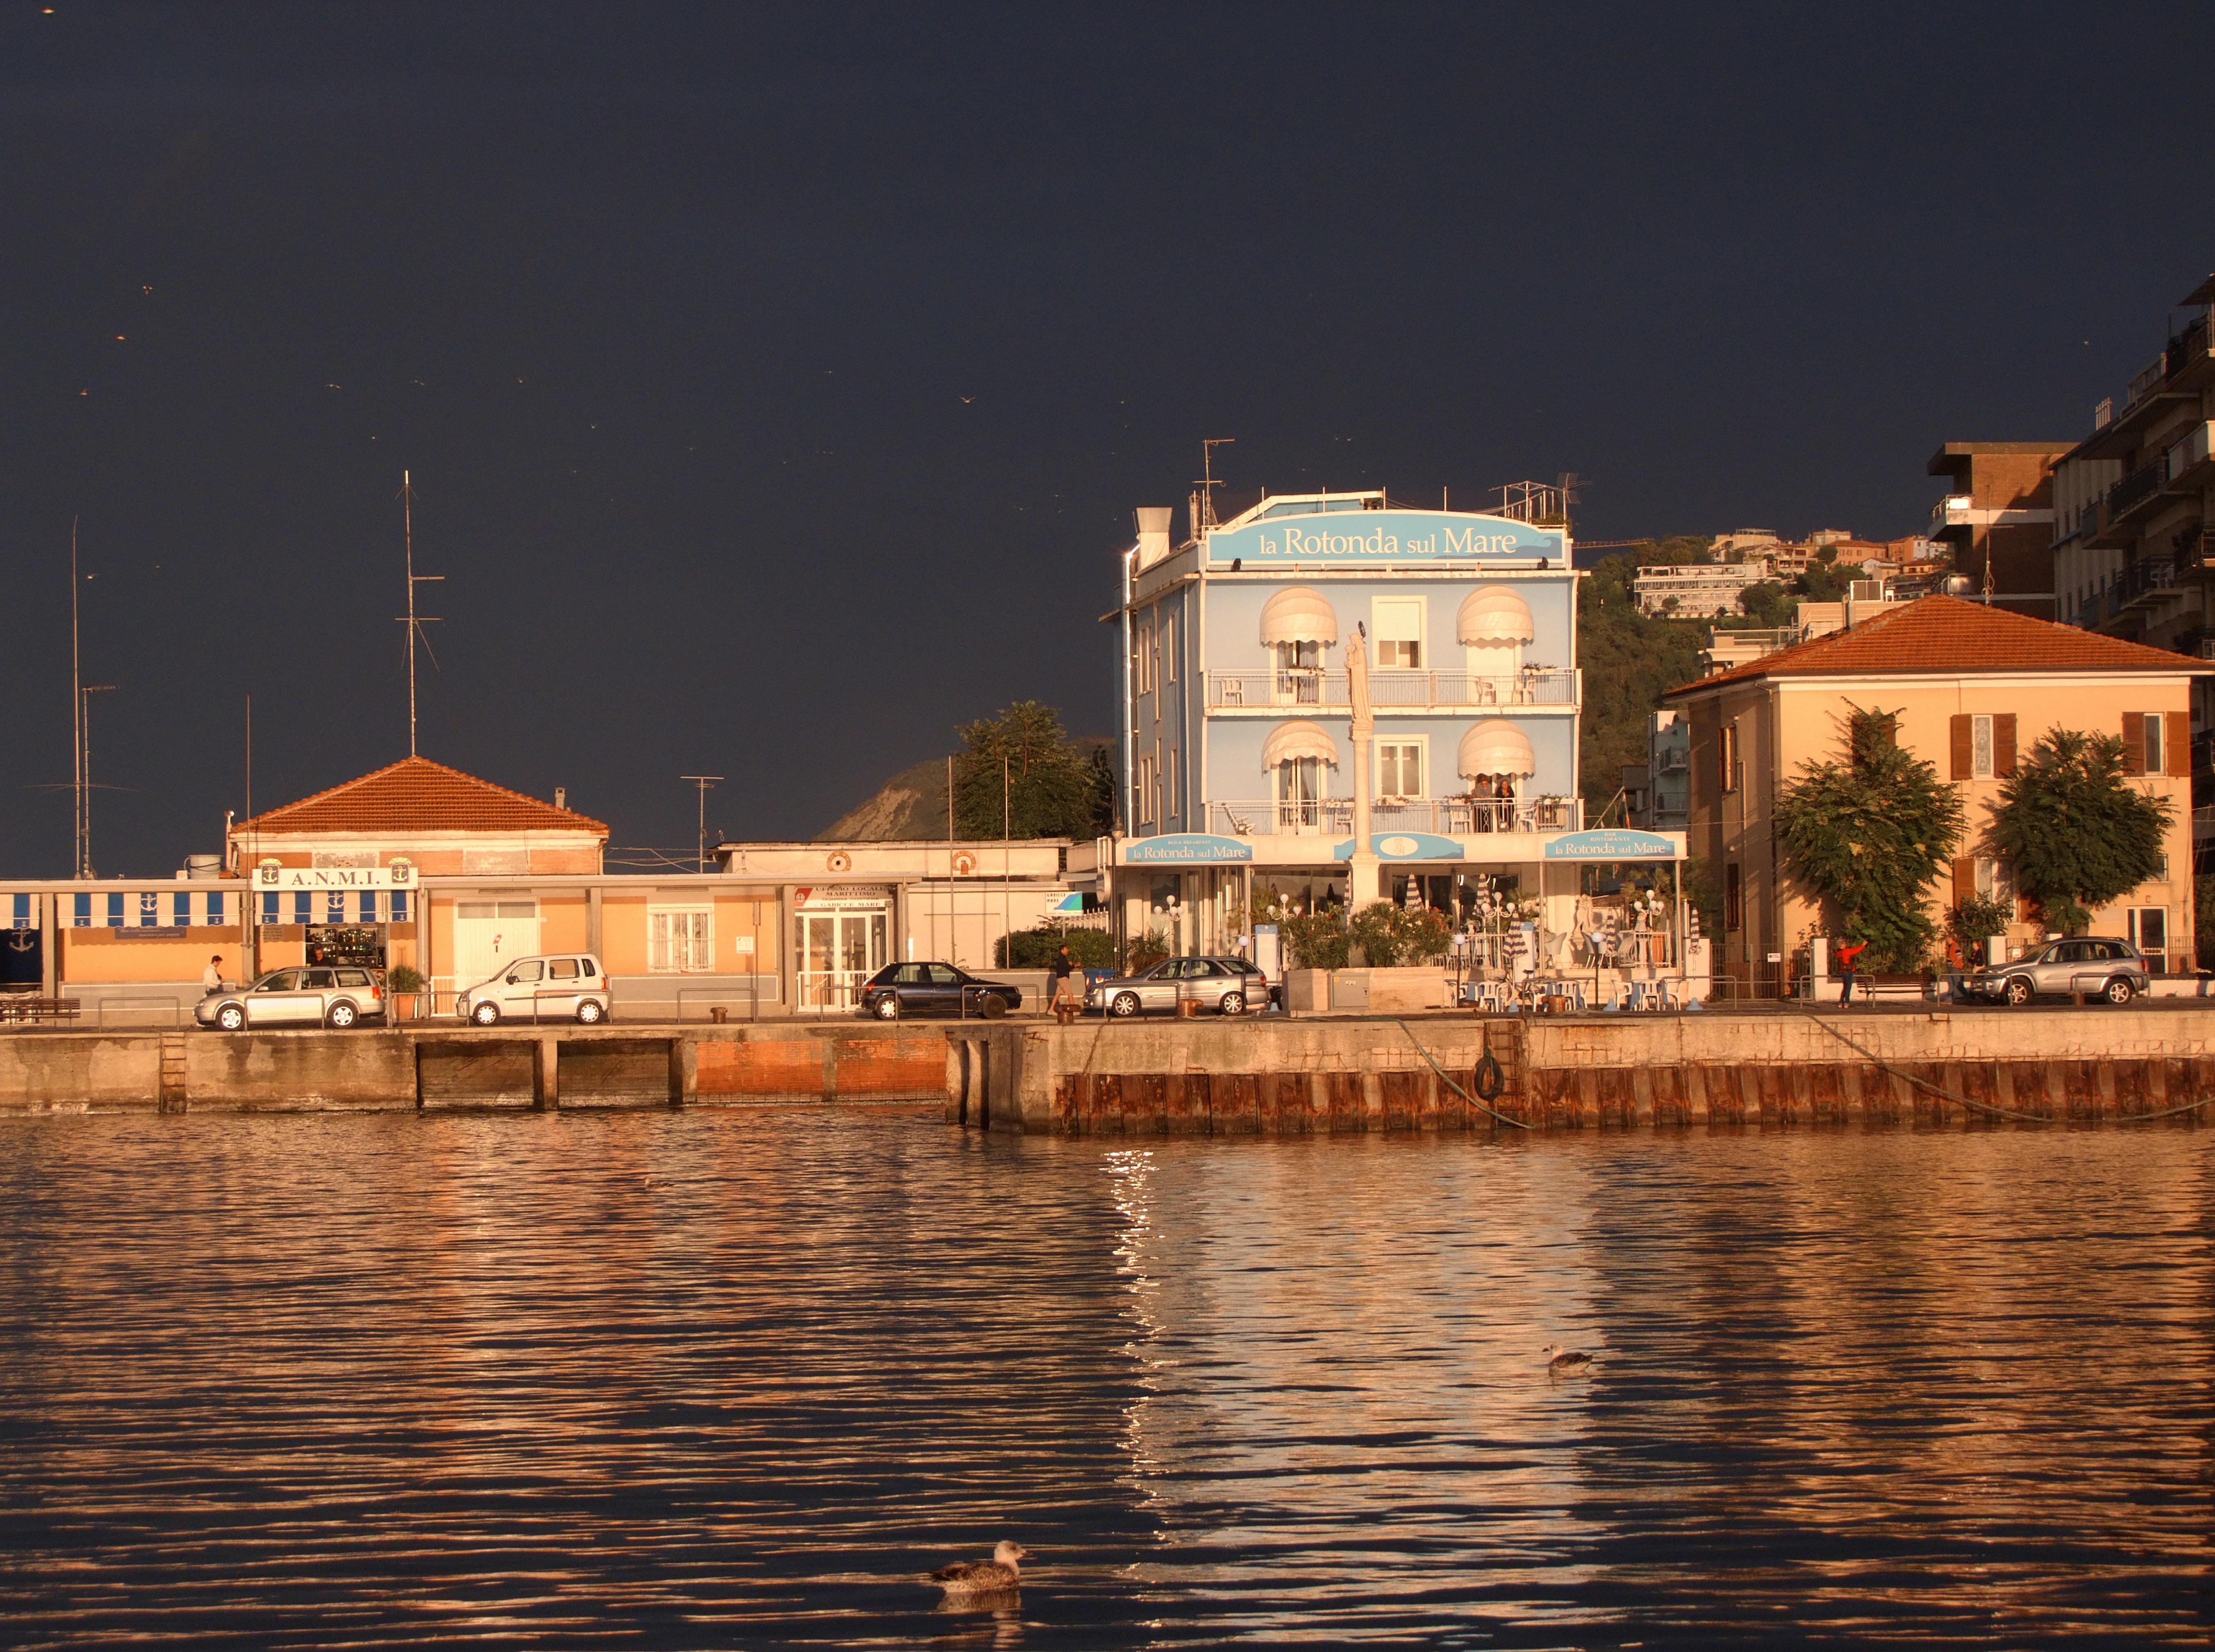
x: 703, y: 1379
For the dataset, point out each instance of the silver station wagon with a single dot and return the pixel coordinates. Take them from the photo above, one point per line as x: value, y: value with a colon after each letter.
x: 561, y: 986
x: 334, y: 995
x: 1232, y: 985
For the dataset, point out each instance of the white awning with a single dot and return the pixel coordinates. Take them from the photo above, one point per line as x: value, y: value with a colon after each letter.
x: 1298, y: 738
x: 1296, y: 614
x: 1495, y: 746
x: 1492, y: 613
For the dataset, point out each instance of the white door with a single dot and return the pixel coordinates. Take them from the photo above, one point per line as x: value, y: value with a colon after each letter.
x: 487, y: 935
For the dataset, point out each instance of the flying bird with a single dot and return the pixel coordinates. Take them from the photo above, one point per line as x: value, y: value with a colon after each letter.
x: 1565, y: 1362
x: 1002, y: 1572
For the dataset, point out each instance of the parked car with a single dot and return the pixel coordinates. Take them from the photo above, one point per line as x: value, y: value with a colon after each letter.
x: 1232, y: 985
x: 567, y: 986
x: 337, y: 995
x: 2113, y: 969
x: 935, y: 989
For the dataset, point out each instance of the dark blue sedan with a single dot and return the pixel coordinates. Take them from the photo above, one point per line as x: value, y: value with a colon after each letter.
x: 917, y: 989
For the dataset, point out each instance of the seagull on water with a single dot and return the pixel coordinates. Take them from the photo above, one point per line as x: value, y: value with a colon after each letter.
x: 1002, y: 1572
x: 1564, y: 1362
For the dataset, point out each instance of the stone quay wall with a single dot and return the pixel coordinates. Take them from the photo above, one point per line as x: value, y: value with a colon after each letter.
x: 433, y: 1065
x: 1296, y: 1077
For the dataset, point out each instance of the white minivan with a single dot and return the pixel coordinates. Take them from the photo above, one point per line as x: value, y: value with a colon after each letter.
x: 561, y: 985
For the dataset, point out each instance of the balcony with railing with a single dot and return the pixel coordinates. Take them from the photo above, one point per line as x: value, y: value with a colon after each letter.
x: 1407, y: 690
x: 2133, y: 491
x: 1448, y: 817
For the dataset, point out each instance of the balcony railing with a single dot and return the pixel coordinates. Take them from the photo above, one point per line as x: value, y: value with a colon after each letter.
x: 1450, y: 817
x: 1250, y: 691
x: 2136, y: 489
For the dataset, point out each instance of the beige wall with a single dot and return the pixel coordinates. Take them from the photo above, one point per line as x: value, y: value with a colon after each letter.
x: 1783, y: 722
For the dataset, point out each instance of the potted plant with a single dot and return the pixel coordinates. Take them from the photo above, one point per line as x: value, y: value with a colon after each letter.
x: 405, y: 984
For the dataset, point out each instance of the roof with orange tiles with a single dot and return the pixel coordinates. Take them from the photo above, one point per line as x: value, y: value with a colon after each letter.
x: 416, y: 794
x: 1948, y: 636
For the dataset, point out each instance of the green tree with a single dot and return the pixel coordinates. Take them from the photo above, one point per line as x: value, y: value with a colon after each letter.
x: 1630, y: 659
x: 1053, y: 788
x: 2074, y: 829
x: 1826, y: 584
x: 1868, y: 836
x: 1766, y: 604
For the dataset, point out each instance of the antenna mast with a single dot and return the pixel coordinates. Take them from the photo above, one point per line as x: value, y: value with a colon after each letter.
x: 1205, y: 517
x: 703, y: 782
x: 413, y: 622
x: 77, y: 854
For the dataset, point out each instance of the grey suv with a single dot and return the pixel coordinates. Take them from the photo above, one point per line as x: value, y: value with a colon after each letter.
x: 2094, y: 964
x: 337, y: 995
x: 1232, y: 986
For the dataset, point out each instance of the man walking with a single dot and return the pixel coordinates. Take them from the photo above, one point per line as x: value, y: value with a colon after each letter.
x: 1068, y: 1004
x: 1847, y: 953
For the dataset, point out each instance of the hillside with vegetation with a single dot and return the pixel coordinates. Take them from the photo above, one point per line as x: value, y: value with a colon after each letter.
x: 1629, y: 660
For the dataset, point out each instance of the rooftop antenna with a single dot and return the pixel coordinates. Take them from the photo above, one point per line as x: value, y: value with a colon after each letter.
x: 77, y: 853
x: 1208, y: 483
x: 703, y: 782
x: 411, y: 620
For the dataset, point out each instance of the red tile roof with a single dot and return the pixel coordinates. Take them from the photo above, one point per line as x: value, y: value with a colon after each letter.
x: 1949, y: 637
x: 416, y: 794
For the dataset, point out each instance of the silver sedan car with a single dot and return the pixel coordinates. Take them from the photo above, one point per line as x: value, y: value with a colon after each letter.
x: 1232, y: 986
x: 337, y: 995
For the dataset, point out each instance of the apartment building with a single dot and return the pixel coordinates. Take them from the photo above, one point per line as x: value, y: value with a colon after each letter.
x: 1997, y: 520
x: 1971, y: 686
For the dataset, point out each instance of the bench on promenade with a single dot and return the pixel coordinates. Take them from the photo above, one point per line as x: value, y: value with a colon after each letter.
x: 15, y: 1007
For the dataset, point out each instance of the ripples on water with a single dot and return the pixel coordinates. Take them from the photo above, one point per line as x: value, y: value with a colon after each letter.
x: 730, y: 1378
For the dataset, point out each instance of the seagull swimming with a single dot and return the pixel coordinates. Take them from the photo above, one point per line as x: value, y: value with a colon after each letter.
x: 999, y: 1574
x: 1561, y: 1362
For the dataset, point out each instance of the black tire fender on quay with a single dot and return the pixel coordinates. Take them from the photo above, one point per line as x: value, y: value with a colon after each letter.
x: 1490, y: 1080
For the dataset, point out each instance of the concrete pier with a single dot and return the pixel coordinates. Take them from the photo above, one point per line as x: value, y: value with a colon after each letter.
x: 1277, y: 1076
x: 446, y: 1066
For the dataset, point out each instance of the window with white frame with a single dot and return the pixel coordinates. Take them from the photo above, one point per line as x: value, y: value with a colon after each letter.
x: 1398, y: 625
x: 679, y: 940
x: 1176, y: 788
x: 1142, y: 783
x: 1400, y: 768
x: 1980, y: 747
x: 2156, y: 760
x: 1169, y: 647
x: 1993, y: 881
x: 1143, y: 657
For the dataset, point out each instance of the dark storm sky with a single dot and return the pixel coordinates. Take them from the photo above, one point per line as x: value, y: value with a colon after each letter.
x: 777, y: 384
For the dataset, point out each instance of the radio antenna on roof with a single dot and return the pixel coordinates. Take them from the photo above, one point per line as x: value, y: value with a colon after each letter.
x: 411, y: 620
x: 1205, y: 517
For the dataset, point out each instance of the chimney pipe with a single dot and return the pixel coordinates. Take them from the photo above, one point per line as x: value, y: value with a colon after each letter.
x: 561, y: 797
x: 1153, y: 533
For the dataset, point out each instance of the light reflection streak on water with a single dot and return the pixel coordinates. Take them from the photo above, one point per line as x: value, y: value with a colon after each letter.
x: 720, y: 1379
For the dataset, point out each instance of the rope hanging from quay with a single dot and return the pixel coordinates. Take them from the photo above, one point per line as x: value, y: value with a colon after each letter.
x: 1450, y: 1083
x: 1981, y: 1106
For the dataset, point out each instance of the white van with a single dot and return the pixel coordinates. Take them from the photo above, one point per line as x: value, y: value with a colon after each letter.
x: 559, y: 987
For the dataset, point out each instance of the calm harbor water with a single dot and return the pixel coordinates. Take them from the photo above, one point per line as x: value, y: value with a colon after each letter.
x: 733, y: 1378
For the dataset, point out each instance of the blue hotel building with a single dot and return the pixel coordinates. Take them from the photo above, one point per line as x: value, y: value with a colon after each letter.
x: 1236, y: 755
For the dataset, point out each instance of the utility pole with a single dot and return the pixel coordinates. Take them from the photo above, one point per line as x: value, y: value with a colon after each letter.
x: 413, y: 622
x: 76, y: 718
x: 84, y: 766
x: 703, y: 782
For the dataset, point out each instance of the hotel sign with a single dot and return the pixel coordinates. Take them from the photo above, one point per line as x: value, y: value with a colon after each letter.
x: 1614, y: 844
x: 1378, y: 537
x: 398, y: 876
x: 1185, y: 849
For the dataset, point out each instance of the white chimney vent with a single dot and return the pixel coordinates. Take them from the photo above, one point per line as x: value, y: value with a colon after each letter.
x: 1153, y: 533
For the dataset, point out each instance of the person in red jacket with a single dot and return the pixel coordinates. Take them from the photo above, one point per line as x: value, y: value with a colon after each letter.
x: 1848, y: 951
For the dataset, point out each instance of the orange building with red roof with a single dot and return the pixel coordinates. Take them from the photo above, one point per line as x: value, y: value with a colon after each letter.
x: 439, y: 820
x: 1972, y: 687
